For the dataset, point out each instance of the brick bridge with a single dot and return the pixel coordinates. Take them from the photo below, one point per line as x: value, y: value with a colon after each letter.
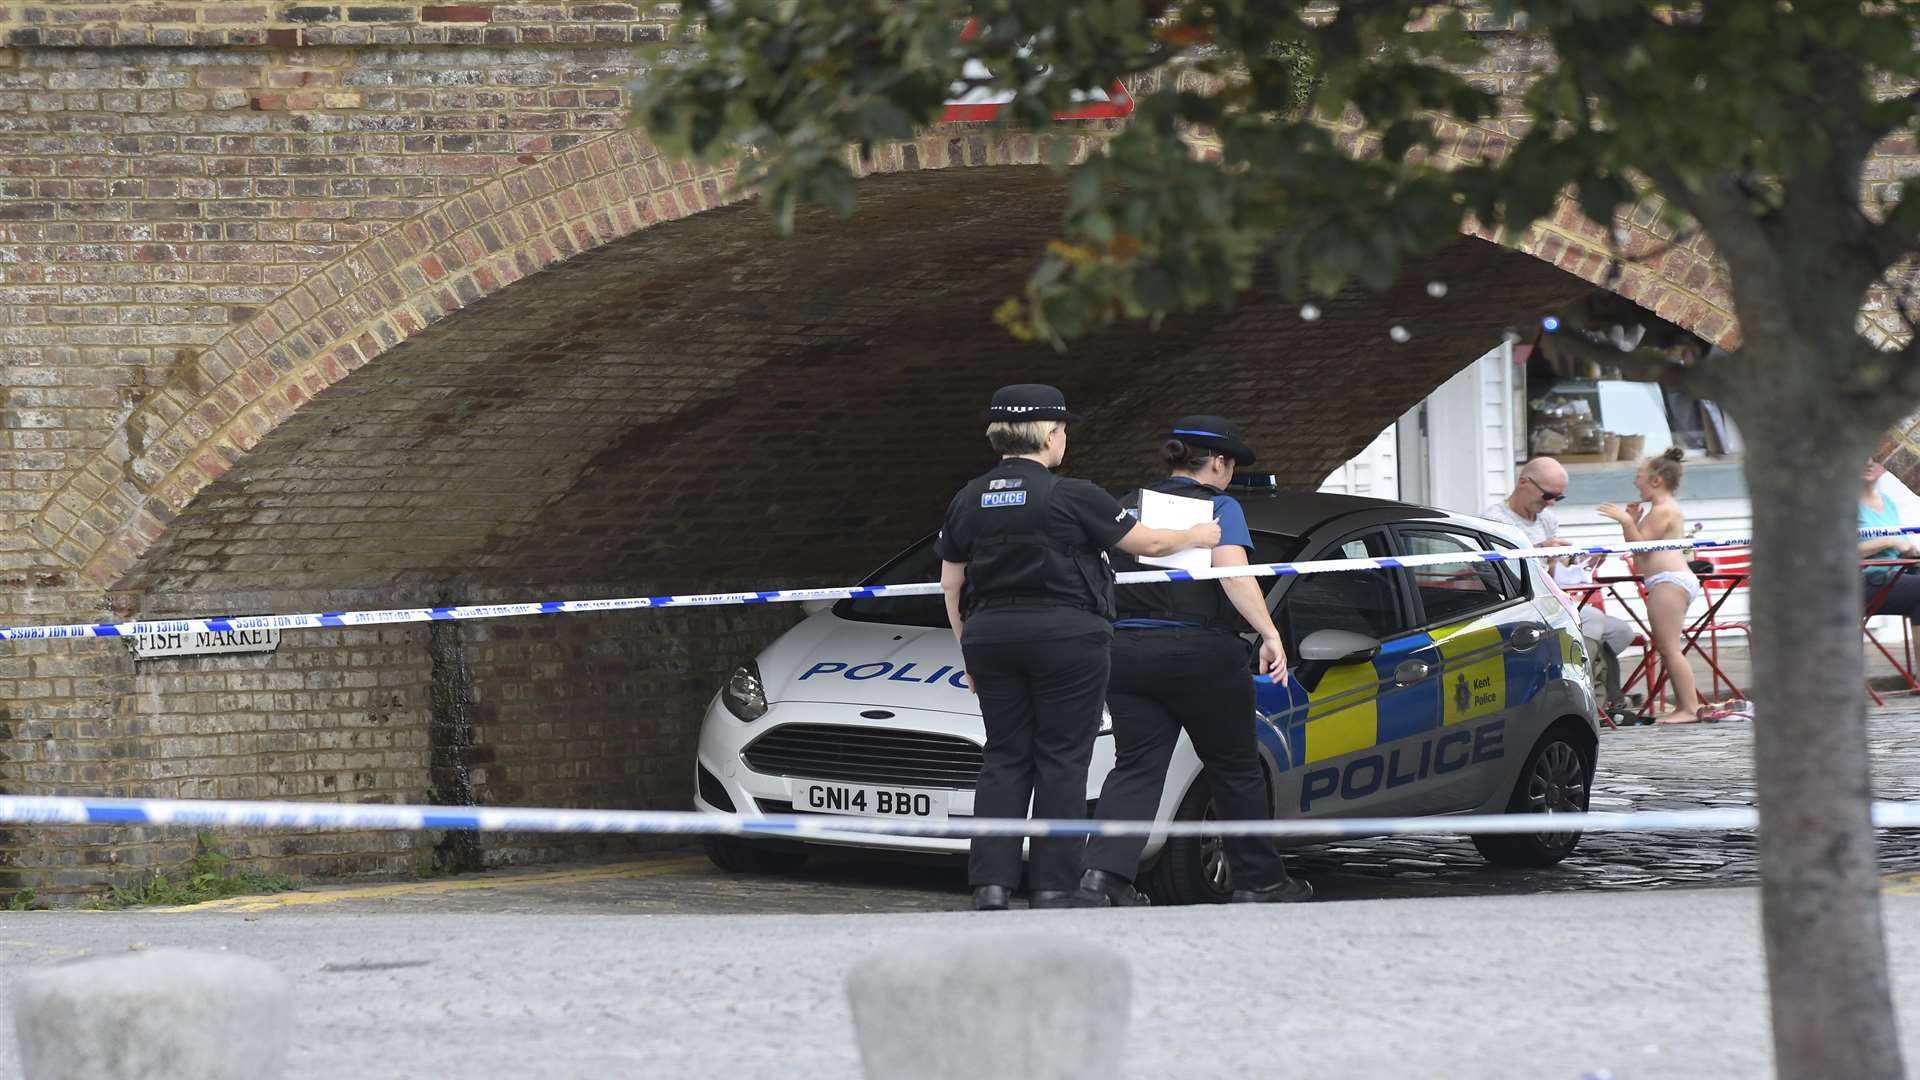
x: 310, y: 306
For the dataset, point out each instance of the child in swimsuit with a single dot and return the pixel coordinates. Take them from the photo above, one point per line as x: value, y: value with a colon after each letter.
x: 1671, y: 587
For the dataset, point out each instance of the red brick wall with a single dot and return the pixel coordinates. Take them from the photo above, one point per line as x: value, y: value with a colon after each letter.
x: 598, y: 711
x: 331, y: 714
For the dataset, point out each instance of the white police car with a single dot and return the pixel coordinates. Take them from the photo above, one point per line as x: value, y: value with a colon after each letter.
x: 1437, y: 690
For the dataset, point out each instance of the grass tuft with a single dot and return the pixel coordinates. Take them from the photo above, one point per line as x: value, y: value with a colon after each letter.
x: 210, y: 875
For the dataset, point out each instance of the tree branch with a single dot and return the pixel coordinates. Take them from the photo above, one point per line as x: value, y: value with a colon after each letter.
x: 1733, y: 229
x: 1700, y: 380
x: 1617, y: 259
x: 1904, y: 382
x: 1896, y: 117
x: 1901, y: 305
x: 1896, y: 237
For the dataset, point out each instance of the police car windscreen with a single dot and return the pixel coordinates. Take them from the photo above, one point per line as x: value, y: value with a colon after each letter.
x: 918, y: 564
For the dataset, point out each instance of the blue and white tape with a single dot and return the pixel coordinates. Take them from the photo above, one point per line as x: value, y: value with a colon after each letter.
x: 210, y: 813
x: 323, y: 620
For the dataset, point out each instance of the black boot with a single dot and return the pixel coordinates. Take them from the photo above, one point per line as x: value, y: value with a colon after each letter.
x: 1098, y: 888
x: 991, y: 897
x: 1052, y: 898
x: 1288, y: 890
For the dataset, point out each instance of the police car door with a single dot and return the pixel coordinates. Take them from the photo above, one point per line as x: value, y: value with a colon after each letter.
x: 1485, y: 639
x: 1342, y: 732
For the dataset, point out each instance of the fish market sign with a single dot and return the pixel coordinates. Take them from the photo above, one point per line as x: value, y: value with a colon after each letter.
x: 202, y: 642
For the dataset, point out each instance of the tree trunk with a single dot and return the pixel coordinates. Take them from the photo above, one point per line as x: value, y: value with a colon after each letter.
x: 1820, y: 894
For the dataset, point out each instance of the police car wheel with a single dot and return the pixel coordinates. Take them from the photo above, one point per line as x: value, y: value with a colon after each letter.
x: 737, y: 856
x: 1192, y: 869
x: 1556, y: 780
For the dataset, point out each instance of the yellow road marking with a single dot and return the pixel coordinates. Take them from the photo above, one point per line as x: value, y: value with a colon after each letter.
x: 1901, y: 886
x: 442, y: 886
x: 55, y: 952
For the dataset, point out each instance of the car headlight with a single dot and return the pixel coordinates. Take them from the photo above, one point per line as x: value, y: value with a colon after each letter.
x: 744, y: 695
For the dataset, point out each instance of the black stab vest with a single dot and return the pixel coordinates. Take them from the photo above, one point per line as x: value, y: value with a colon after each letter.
x: 1203, y: 603
x: 1020, y: 555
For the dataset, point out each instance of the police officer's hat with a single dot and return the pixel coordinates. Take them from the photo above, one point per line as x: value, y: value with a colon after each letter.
x: 1214, y: 433
x: 1028, y: 401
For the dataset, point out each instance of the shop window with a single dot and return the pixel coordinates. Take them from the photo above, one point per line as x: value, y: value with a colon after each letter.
x: 1600, y: 421
x: 1580, y: 410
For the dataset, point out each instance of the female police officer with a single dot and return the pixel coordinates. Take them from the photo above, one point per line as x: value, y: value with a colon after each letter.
x: 1179, y: 662
x: 1030, y: 594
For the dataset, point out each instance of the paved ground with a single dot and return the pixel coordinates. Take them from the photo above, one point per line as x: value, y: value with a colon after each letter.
x: 1609, y: 966
x: 1640, y: 768
x: 1632, y: 986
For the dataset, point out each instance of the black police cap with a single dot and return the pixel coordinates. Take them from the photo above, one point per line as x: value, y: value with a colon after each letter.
x: 1028, y: 401
x: 1214, y: 433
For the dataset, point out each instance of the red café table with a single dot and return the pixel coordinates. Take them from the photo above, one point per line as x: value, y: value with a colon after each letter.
x: 1903, y: 663
x: 1719, y: 588
x: 1875, y: 601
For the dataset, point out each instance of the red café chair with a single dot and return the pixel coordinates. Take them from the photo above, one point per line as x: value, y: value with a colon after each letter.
x: 1871, y: 611
x: 1736, y: 563
x: 1730, y: 568
x: 1647, y: 672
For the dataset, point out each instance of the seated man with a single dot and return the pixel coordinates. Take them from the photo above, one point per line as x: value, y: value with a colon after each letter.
x: 1607, y: 636
x: 1529, y: 508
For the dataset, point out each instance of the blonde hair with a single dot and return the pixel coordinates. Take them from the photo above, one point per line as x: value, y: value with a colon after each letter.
x: 1021, y: 436
x: 1666, y: 466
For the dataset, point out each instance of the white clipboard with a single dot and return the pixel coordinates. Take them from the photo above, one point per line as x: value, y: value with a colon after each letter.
x: 1159, y: 510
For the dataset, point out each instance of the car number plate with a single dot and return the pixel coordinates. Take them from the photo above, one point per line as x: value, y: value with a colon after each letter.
x: 859, y: 800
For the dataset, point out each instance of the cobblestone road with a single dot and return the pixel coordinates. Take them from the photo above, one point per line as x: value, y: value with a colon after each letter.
x: 1641, y: 768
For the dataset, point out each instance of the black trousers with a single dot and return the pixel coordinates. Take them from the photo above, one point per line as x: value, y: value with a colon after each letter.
x: 1041, y: 704
x: 1164, y: 681
x: 1904, y: 599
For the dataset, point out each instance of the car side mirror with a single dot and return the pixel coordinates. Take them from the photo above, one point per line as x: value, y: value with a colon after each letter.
x: 1322, y: 649
x: 1338, y: 647
x: 815, y: 607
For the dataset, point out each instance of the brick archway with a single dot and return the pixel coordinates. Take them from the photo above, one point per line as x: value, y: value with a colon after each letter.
x: 220, y: 407
x: 702, y: 406
x: 223, y: 402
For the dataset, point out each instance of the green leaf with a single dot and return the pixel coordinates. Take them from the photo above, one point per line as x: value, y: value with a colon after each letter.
x: 1154, y: 289
x: 832, y: 185
x: 1401, y: 137
x: 883, y: 120
x: 1600, y: 196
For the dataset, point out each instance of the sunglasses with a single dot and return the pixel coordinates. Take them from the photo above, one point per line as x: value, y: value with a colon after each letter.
x: 1550, y: 496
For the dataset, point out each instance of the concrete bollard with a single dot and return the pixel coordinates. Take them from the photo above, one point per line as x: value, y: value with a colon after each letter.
x: 964, y: 1006
x: 160, y: 1015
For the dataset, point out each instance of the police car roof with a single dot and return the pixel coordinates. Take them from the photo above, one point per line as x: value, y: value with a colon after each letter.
x: 1300, y: 513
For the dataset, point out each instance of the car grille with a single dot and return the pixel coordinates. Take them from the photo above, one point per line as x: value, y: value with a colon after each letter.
x: 860, y: 755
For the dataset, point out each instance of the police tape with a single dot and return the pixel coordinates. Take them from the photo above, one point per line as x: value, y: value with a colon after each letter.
x: 382, y: 817
x: 388, y: 616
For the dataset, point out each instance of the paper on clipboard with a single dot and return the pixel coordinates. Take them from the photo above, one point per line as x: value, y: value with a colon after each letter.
x: 1159, y: 510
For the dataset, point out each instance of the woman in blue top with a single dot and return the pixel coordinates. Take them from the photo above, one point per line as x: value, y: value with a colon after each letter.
x: 1878, y: 512
x: 1180, y: 664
